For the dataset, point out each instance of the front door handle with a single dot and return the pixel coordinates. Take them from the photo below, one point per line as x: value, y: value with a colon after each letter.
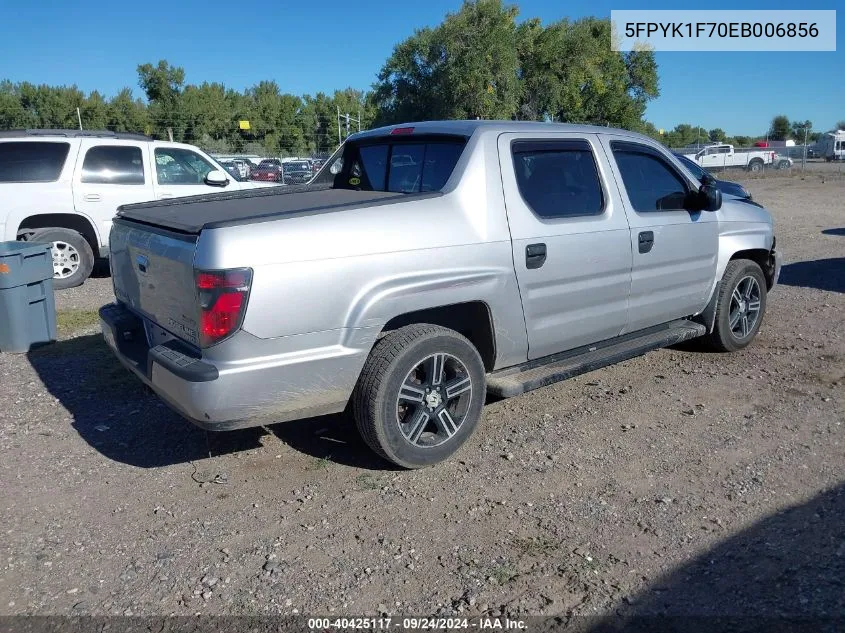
x: 646, y: 241
x: 535, y: 255
x: 91, y: 197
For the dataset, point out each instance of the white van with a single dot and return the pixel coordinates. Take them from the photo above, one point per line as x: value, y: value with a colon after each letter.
x: 64, y: 187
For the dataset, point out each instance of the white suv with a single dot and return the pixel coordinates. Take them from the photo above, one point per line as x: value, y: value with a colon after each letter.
x: 64, y: 187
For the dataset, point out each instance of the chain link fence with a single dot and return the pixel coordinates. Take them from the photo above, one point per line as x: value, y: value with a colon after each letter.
x: 762, y: 161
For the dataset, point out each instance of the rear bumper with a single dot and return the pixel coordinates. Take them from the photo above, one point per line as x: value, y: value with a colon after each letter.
x: 220, y: 396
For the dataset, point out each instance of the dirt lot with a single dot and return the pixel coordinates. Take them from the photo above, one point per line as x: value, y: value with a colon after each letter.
x: 679, y: 482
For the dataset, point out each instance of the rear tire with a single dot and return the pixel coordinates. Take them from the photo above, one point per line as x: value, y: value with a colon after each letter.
x: 420, y: 394
x: 73, y: 259
x: 755, y: 166
x: 740, y: 307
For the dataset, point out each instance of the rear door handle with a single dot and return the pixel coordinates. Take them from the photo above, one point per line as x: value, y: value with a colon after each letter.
x: 646, y: 241
x: 91, y: 197
x: 535, y: 255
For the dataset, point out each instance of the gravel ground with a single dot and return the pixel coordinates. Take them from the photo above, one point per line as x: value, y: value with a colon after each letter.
x: 679, y: 482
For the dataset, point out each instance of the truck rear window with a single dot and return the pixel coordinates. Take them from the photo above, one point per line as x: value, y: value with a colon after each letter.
x: 28, y: 161
x: 411, y: 166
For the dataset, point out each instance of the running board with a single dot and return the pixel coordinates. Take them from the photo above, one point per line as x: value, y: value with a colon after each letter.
x: 534, y: 374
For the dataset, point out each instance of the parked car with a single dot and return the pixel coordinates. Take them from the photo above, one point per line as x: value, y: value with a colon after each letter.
x: 245, y: 167
x: 782, y: 162
x: 317, y: 164
x: 296, y: 172
x: 64, y: 187
x: 232, y: 169
x: 268, y: 170
x: 727, y: 187
x: 723, y: 156
x: 500, y: 263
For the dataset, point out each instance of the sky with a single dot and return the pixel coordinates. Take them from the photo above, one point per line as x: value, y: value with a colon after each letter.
x: 308, y: 46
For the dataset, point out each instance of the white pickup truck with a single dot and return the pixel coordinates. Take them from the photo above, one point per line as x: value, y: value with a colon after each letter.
x: 723, y: 156
x: 64, y: 187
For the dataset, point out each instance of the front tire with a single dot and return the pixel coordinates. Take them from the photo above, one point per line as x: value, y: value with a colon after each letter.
x: 73, y: 259
x: 740, y: 306
x: 420, y: 395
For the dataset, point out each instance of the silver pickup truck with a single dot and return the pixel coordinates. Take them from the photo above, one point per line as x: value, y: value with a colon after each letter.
x: 426, y: 266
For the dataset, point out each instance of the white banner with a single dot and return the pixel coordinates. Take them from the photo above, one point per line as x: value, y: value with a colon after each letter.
x: 718, y: 30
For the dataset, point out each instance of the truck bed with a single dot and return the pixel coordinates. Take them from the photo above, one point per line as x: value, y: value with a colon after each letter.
x: 194, y: 213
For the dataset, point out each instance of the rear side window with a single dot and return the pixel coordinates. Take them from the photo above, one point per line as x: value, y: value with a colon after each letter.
x: 403, y: 167
x: 651, y: 183
x: 113, y: 165
x: 32, y: 162
x: 558, y: 179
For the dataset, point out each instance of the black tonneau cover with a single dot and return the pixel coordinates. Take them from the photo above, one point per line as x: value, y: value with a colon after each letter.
x: 194, y: 213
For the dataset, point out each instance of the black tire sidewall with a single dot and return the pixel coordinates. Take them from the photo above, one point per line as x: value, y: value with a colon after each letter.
x: 738, y: 271
x: 394, y: 443
x: 75, y: 239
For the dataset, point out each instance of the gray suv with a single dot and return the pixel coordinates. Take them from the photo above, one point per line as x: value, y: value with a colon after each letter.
x: 425, y: 266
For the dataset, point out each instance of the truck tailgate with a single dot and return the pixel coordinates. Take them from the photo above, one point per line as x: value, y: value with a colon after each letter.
x: 153, y: 274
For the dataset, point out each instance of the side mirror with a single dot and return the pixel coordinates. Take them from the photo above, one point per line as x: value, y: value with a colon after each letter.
x: 216, y: 178
x: 709, y: 198
x: 708, y: 179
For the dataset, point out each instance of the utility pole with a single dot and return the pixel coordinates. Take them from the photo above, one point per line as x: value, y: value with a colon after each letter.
x: 79, y: 118
x: 346, y: 118
x: 339, y: 139
x: 804, y: 157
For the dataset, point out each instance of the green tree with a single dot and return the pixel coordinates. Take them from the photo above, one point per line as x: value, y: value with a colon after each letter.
x: 840, y: 125
x: 163, y: 85
x: 717, y: 134
x: 94, y: 112
x: 780, y: 129
x: 126, y: 114
x: 467, y: 67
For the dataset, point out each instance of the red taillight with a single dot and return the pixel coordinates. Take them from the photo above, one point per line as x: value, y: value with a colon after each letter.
x: 402, y: 130
x: 222, y: 297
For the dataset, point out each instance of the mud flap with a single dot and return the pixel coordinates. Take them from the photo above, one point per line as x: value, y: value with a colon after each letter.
x: 707, y: 317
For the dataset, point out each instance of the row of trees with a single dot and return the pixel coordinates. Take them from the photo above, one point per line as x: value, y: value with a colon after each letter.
x: 477, y: 63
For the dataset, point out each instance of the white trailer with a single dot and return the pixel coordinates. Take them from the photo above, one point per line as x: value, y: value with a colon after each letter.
x: 831, y: 146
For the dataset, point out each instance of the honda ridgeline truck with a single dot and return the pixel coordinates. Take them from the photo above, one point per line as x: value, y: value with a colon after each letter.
x: 426, y: 266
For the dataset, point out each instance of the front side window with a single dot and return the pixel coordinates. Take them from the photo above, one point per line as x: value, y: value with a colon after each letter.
x: 558, y: 179
x: 177, y: 166
x: 28, y: 161
x: 113, y: 165
x: 651, y: 184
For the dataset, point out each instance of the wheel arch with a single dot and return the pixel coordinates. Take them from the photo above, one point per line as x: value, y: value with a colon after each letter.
x: 472, y: 319
x: 73, y: 221
x: 763, y: 258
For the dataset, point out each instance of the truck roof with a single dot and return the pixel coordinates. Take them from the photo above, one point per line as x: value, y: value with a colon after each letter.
x: 469, y: 127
